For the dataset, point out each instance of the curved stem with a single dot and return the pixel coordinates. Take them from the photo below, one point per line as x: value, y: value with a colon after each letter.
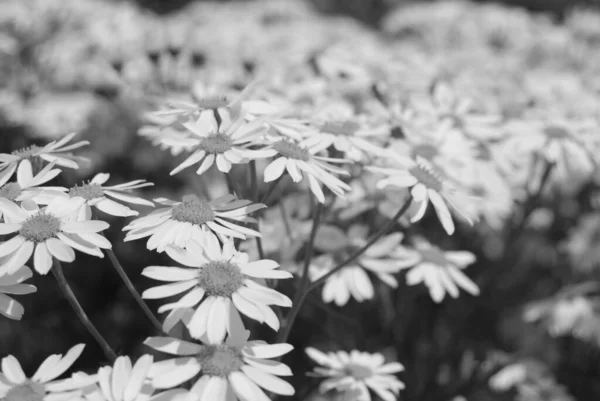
x: 302, y: 293
x: 253, y: 181
x: 136, y: 295
x: 305, y: 282
x: 233, y: 186
x: 270, y: 190
x: 66, y: 289
x: 382, y: 231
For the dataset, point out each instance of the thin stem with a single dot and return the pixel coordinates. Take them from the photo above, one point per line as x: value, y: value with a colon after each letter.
x: 270, y: 190
x: 382, y: 231
x: 233, y: 186
x: 66, y: 289
x: 305, y: 281
x: 136, y: 295
x: 286, y: 222
x: 302, y: 294
x: 253, y: 180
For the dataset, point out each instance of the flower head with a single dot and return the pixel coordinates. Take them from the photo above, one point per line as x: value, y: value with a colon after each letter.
x: 46, y: 233
x: 356, y: 373
x: 96, y: 194
x: 42, y: 386
x: 27, y: 158
x: 13, y: 284
x: 426, y: 183
x: 441, y: 271
x: 353, y: 280
x: 193, y: 218
x: 218, y: 283
x: 234, y: 370
x: 300, y: 160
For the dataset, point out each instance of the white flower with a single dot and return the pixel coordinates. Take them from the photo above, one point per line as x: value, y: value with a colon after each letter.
x: 441, y: 271
x: 96, y: 194
x: 225, y: 143
x: 13, y: 284
x: 124, y: 382
x: 351, y: 138
x: 300, y: 160
x: 54, y: 152
x: 235, y: 370
x: 15, y: 386
x: 26, y: 188
x: 193, y: 218
x: 426, y: 183
x: 218, y: 284
x: 356, y: 372
x: 49, y: 233
x: 352, y: 280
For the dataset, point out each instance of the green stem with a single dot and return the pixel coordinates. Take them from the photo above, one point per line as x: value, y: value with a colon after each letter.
x: 302, y: 293
x: 68, y: 292
x: 233, y: 186
x: 305, y: 281
x: 136, y: 295
x: 270, y: 190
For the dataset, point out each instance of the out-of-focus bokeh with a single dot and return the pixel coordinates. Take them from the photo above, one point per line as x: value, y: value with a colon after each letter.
x: 96, y: 66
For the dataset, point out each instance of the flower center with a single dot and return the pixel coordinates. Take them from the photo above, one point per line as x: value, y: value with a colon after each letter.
x: 220, y: 278
x: 220, y: 360
x: 291, y: 150
x: 27, y: 153
x: 40, y: 227
x: 193, y: 210
x: 428, y: 177
x: 212, y: 102
x: 556, y: 132
x: 433, y: 255
x: 217, y: 143
x: 10, y: 191
x: 87, y: 191
x: 359, y: 372
x: 345, y: 128
x: 426, y: 151
x: 28, y: 391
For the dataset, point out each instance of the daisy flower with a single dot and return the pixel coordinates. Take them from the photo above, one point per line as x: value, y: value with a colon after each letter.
x: 235, y: 370
x: 57, y: 152
x: 352, y: 280
x: 299, y: 159
x: 426, y: 182
x: 355, y: 373
x: 207, y: 102
x: 193, y: 218
x: 219, y: 283
x: 46, y: 233
x: 351, y: 138
x: 13, y: 284
x: 441, y: 271
x: 223, y: 143
x: 126, y: 382
x: 42, y: 386
x: 96, y: 194
x: 26, y: 186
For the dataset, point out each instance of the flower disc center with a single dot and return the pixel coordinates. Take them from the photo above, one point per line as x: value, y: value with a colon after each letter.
x: 220, y: 278
x: 87, y: 191
x: 359, y: 372
x: 28, y: 391
x: 212, y: 102
x: 345, y: 128
x: 556, y: 132
x: 427, y: 177
x: 433, y: 255
x: 10, y: 191
x: 220, y: 360
x: 217, y: 143
x: 27, y: 153
x: 291, y: 150
x: 193, y: 210
x: 40, y: 227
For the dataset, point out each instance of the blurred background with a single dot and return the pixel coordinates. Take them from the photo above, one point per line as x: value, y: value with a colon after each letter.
x: 96, y: 66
